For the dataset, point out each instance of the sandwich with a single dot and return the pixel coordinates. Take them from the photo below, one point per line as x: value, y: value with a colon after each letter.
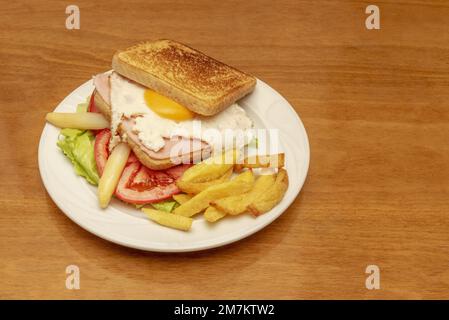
x: 172, y: 104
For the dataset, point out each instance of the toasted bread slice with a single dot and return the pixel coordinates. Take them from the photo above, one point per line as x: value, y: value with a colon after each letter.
x: 138, y: 148
x: 147, y: 161
x: 185, y: 75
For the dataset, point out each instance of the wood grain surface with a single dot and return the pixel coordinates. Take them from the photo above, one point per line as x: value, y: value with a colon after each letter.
x: 375, y: 104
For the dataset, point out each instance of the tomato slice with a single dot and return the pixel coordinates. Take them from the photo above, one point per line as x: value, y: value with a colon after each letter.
x: 147, y: 179
x: 140, y: 185
x: 92, y: 107
x: 132, y: 158
x: 176, y: 172
x: 101, y: 149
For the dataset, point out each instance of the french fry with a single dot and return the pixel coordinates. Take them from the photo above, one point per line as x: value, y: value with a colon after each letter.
x: 197, y: 187
x: 78, y: 120
x: 213, y: 214
x: 182, y: 197
x: 272, y: 196
x: 211, y: 169
x: 241, y: 183
x: 238, y: 204
x: 169, y: 219
x: 111, y: 173
x: 262, y: 161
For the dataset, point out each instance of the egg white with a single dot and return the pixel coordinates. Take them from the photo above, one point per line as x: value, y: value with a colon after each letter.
x: 229, y: 128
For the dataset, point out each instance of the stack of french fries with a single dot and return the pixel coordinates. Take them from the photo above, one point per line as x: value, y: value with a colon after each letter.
x: 209, y: 188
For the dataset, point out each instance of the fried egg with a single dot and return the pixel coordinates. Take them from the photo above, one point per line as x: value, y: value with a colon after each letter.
x: 158, y: 117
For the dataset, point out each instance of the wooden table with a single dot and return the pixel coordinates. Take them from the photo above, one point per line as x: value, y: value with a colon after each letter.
x: 375, y: 104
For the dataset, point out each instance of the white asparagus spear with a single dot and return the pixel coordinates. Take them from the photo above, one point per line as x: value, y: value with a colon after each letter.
x: 112, y: 172
x: 81, y: 120
x: 169, y: 219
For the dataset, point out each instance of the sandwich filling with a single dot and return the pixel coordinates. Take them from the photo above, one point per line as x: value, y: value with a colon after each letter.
x: 157, y: 121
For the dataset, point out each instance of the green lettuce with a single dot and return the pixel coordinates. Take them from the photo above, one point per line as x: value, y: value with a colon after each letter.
x: 78, y: 146
x: 167, y: 205
x: 82, y: 107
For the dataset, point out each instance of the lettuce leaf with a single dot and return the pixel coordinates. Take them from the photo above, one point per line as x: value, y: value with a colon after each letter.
x: 167, y: 205
x: 78, y: 146
x: 82, y: 107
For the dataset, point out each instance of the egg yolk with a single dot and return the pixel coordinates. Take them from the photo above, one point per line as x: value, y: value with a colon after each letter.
x: 166, y: 107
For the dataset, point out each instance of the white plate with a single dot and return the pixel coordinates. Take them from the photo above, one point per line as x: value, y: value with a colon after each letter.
x: 122, y: 224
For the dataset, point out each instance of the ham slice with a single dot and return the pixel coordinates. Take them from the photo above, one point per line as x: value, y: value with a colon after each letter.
x: 103, y: 87
x: 175, y: 147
